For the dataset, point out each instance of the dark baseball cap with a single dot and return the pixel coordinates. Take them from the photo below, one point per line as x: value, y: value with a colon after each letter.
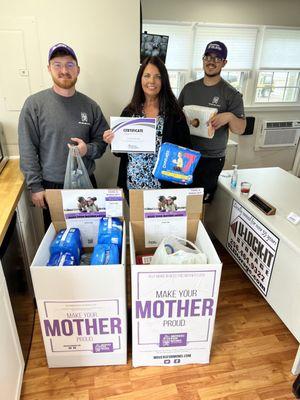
x: 61, y: 47
x: 218, y: 48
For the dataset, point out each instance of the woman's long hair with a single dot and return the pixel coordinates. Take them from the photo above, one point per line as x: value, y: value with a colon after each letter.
x: 167, y: 101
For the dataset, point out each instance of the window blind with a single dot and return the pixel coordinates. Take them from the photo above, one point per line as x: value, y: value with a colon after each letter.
x: 180, y: 43
x: 239, y: 41
x: 281, y: 49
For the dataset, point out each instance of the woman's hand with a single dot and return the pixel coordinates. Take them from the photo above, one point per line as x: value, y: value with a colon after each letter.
x: 108, y: 136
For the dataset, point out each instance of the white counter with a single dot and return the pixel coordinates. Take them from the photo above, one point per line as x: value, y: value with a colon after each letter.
x: 282, y: 190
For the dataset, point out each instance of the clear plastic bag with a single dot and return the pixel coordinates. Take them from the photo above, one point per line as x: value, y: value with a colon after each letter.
x: 76, y: 176
x: 174, y: 250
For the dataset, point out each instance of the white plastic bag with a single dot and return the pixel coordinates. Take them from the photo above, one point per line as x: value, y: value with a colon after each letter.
x: 173, y: 250
x: 76, y: 176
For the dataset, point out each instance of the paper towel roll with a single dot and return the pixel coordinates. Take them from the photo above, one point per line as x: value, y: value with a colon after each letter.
x: 197, y: 118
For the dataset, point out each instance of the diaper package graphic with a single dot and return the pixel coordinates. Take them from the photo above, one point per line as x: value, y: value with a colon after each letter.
x: 176, y: 164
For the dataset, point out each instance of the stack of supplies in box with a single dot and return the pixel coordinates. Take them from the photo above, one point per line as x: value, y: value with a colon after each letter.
x: 175, y: 250
x: 109, y: 246
x: 66, y: 248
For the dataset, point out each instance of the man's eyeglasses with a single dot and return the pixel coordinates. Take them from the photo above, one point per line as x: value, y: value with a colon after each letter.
x: 213, y: 59
x: 58, y: 66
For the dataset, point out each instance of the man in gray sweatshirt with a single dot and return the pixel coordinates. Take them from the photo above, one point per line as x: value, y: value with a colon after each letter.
x: 54, y: 118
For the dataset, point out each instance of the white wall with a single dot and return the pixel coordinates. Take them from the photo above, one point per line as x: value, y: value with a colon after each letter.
x: 261, y: 12
x: 105, y: 37
x: 256, y: 12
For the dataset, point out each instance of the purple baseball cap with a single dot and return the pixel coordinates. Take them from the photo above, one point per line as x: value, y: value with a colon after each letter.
x: 218, y: 48
x: 61, y: 47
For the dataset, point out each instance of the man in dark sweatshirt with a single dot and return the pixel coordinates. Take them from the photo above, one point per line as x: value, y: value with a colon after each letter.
x: 52, y: 119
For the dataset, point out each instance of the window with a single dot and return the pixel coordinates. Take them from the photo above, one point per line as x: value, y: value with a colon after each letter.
x: 263, y: 62
x: 279, y: 73
x: 174, y: 81
x: 235, y: 78
x: 277, y: 87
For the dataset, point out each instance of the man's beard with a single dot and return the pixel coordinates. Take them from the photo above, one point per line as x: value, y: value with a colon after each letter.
x: 212, y: 74
x: 66, y: 83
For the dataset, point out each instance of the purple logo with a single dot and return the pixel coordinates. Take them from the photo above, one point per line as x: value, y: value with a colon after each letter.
x: 172, y: 339
x: 103, y: 348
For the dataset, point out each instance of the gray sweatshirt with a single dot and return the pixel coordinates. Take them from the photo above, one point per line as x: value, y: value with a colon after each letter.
x: 46, y: 124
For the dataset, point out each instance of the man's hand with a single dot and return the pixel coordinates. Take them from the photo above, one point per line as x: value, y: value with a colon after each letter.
x: 236, y: 125
x: 81, y: 145
x: 39, y: 199
x: 219, y: 120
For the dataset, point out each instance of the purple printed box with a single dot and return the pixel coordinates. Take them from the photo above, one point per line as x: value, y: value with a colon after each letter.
x: 174, y: 308
x: 82, y: 310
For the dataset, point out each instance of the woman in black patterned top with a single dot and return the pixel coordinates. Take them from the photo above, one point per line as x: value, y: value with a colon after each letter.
x: 152, y: 98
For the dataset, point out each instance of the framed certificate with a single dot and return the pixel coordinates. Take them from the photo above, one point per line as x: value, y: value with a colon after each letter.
x: 133, y: 135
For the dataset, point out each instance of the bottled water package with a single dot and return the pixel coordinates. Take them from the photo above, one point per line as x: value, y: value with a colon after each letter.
x: 67, y: 241
x: 110, y: 231
x: 176, y: 164
x: 105, y: 253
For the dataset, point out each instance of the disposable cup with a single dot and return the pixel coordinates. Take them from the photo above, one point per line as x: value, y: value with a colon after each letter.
x: 245, y: 188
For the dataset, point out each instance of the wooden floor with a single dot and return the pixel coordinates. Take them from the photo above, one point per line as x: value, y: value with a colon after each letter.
x: 251, y: 358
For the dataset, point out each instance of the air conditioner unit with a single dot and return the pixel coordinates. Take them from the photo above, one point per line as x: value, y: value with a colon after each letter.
x: 279, y: 134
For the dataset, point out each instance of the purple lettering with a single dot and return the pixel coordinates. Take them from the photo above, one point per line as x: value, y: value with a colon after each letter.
x: 174, y: 308
x: 184, y: 307
x: 115, y: 325
x: 170, y: 304
x: 53, y: 330
x: 195, y: 307
x: 103, y: 325
x: 143, y: 312
x: 158, y: 309
x: 78, y: 323
x: 207, y: 306
x: 80, y: 327
x: 67, y: 327
x: 91, y: 327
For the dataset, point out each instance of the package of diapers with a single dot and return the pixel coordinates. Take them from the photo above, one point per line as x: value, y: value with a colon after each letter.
x: 105, y: 254
x: 197, y: 118
x: 110, y: 231
x: 62, y: 259
x: 176, y: 164
x: 67, y: 241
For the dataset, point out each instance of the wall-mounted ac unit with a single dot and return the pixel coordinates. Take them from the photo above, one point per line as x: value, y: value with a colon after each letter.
x: 278, y: 134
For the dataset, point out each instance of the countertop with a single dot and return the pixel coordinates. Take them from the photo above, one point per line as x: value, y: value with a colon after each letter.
x: 11, y: 187
x: 279, y: 188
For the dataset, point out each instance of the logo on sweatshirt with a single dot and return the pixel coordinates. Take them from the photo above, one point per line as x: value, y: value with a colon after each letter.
x: 84, y: 119
x: 215, y: 101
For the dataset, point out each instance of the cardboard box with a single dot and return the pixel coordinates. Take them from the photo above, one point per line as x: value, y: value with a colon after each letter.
x: 173, y: 306
x: 82, y: 309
